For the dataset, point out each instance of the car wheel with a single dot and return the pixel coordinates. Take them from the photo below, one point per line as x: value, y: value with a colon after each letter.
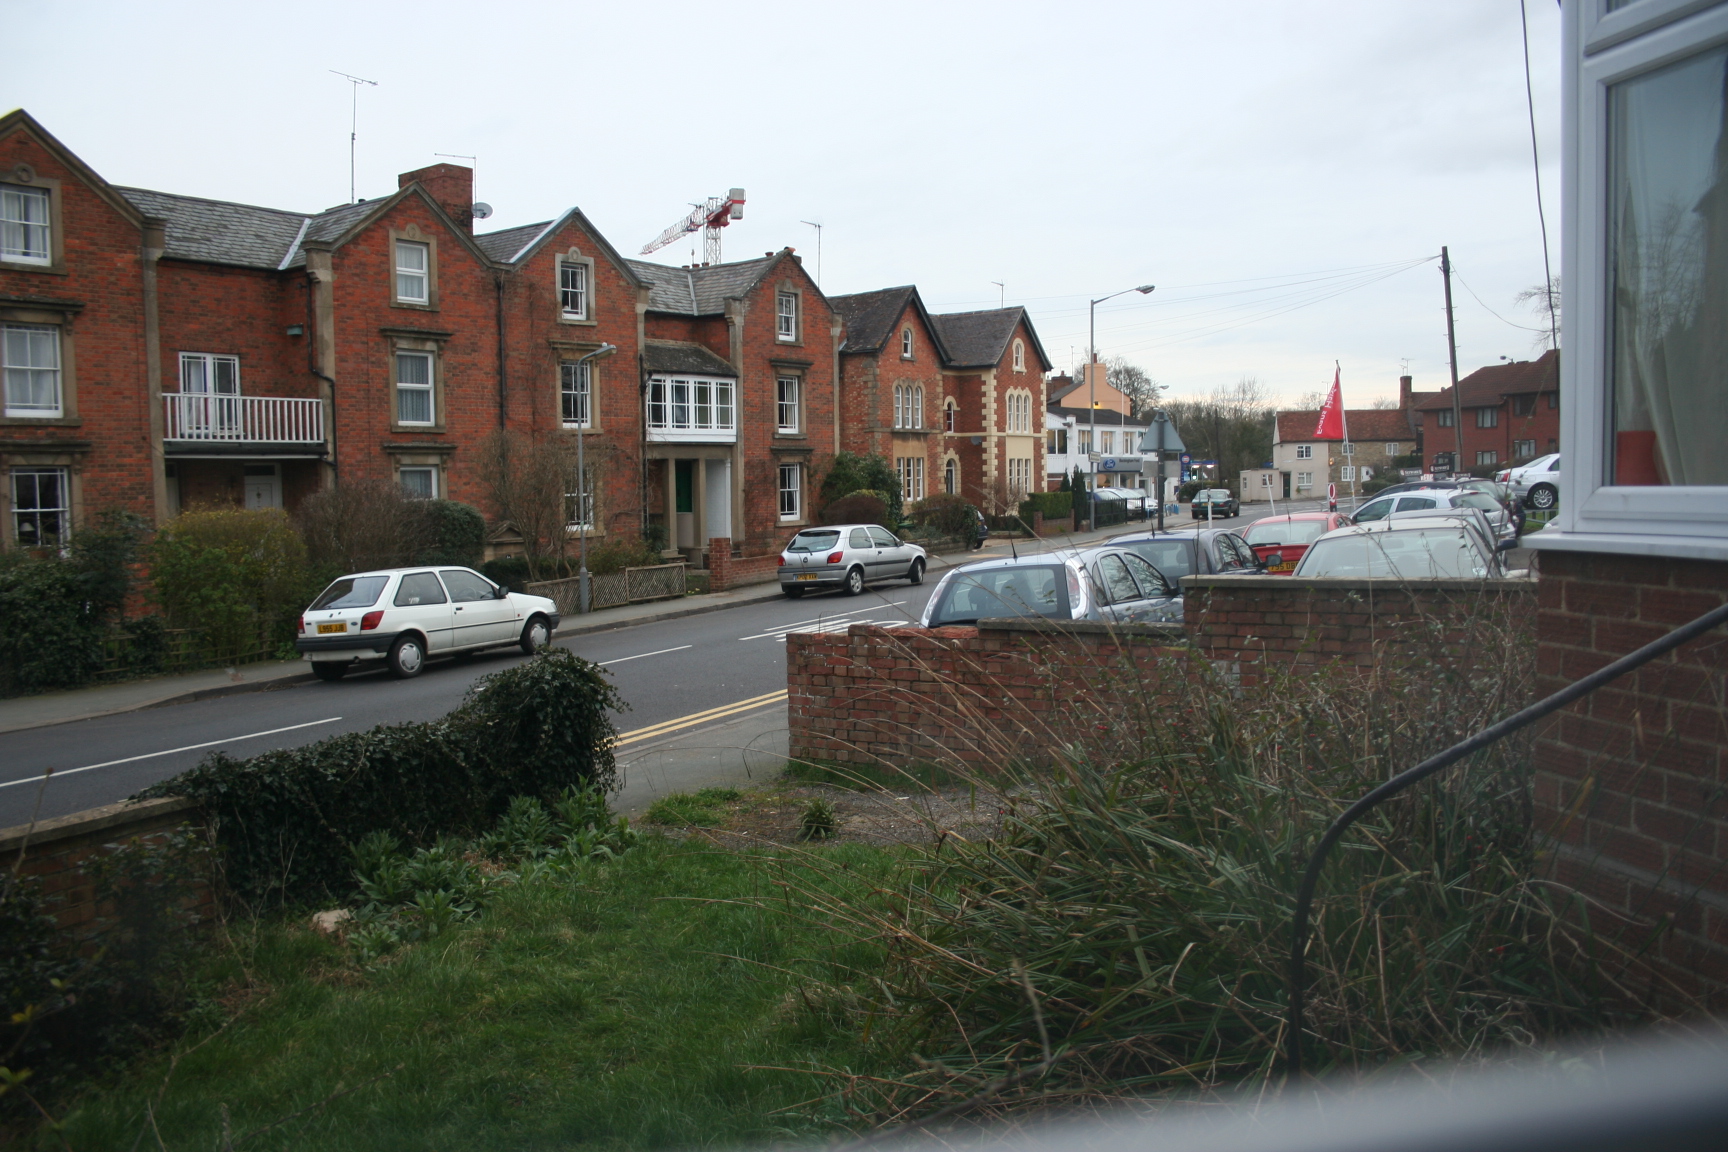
x: 1544, y: 496
x: 407, y: 658
x: 916, y: 574
x: 329, y: 670
x: 536, y: 635
x: 792, y: 593
x: 855, y: 582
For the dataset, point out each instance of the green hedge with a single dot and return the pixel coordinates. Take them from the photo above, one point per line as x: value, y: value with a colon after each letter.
x: 50, y: 632
x: 1054, y: 505
x: 285, y: 821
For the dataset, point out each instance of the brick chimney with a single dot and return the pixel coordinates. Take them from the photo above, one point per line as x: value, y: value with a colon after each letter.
x: 451, y: 185
x: 1404, y: 393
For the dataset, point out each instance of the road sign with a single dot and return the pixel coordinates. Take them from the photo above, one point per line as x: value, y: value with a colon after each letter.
x: 1187, y: 459
x: 1332, y: 497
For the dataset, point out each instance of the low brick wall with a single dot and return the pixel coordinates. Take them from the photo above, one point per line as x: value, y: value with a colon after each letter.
x: 958, y: 694
x: 59, y: 853
x: 1630, y: 781
x: 1252, y: 622
x: 727, y: 571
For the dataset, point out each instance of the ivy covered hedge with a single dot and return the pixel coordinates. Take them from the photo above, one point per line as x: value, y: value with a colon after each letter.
x: 286, y: 821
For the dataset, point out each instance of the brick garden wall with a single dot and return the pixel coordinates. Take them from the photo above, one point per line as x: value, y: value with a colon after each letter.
x: 726, y: 571
x: 59, y: 853
x: 1629, y: 781
x: 1255, y: 622
x: 956, y: 694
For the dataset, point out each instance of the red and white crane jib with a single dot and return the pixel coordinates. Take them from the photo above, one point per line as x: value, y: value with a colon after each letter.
x: 708, y: 218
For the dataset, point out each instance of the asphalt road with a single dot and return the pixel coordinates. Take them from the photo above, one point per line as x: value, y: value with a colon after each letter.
x: 676, y: 675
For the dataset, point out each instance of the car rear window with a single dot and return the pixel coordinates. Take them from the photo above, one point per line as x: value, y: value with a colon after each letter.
x: 814, y: 541
x: 1479, y: 500
x: 1286, y: 531
x: 1172, y: 556
x: 351, y: 592
x: 1040, y: 590
x: 1410, y: 555
x: 419, y: 588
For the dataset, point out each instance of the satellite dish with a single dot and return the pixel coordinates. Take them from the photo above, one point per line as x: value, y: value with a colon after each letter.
x: 481, y: 210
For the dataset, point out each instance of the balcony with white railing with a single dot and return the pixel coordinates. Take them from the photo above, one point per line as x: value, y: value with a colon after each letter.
x: 195, y: 423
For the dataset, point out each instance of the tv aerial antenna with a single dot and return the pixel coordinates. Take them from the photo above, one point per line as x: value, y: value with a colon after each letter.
x: 353, y: 122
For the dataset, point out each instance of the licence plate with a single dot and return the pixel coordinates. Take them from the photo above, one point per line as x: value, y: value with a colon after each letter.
x: 1290, y: 567
x: 806, y: 576
x: 337, y: 627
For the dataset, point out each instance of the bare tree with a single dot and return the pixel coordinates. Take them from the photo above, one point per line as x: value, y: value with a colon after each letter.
x: 1382, y: 403
x: 363, y: 524
x: 1233, y: 426
x: 532, y: 480
x: 1544, y: 300
x: 1133, y: 382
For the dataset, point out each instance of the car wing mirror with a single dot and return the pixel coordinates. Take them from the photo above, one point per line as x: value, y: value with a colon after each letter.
x: 499, y: 592
x: 1272, y: 560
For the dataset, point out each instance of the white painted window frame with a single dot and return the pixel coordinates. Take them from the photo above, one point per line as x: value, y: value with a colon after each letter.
x: 430, y: 470
x: 791, y: 495
x: 565, y: 291
x: 24, y: 255
x: 58, y: 411
x: 788, y: 405
x: 786, y: 317
x: 423, y: 273
x: 429, y: 388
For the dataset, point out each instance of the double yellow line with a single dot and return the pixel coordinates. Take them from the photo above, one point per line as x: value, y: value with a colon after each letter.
x: 695, y: 718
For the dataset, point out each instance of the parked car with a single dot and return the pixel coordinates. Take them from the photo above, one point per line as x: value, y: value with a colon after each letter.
x: 1431, y: 497
x: 1279, y: 541
x: 1413, y: 548
x: 407, y: 616
x: 1538, y: 481
x: 1213, y: 504
x: 849, y: 557
x: 1192, y: 552
x: 1101, y: 584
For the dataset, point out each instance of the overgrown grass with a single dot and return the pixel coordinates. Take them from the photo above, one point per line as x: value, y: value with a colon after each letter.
x: 702, y: 809
x: 648, y: 1002
x: 875, y: 777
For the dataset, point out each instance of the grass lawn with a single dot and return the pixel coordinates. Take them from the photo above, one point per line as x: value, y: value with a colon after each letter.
x: 620, y: 1009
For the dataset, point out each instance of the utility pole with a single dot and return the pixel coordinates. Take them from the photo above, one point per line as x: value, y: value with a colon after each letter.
x: 1452, y: 352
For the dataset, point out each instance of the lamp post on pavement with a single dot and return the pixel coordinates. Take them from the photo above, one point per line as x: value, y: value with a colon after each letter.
x: 1092, y: 391
x: 584, y: 502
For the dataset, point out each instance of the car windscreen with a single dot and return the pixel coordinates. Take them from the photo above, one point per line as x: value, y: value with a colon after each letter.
x: 1374, y: 511
x: 1286, y: 532
x: 815, y: 541
x: 1171, y: 555
x: 1410, y: 555
x: 351, y: 592
x: 1031, y: 590
x: 1480, y: 500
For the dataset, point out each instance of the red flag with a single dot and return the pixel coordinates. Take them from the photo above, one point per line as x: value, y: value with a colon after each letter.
x: 1331, y: 426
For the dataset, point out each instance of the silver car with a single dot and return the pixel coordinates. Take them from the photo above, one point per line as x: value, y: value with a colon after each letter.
x: 1102, y: 584
x: 1538, y: 481
x: 1426, y: 548
x: 848, y: 556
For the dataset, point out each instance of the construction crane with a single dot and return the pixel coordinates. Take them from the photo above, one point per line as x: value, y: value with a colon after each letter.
x: 707, y: 218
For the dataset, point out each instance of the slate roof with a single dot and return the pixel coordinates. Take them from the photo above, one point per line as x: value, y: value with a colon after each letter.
x: 699, y: 291
x: 870, y: 316
x: 333, y: 223
x: 1486, y: 387
x: 219, y: 232
x: 1110, y: 416
x: 978, y: 339
x: 1366, y: 425
x: 682, y: 356
x: 503, y: 245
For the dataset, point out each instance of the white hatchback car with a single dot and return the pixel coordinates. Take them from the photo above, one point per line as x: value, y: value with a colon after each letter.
x: 406, y: 616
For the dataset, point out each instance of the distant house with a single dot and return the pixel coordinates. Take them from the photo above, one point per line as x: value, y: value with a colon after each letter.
x: 1307, y: 463
x: 1511, y: 414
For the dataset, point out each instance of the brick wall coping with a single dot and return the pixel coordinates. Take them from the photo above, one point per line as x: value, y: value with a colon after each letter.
x: 91, y: 821
x: 1167, y: 632
x: 1378, y: 584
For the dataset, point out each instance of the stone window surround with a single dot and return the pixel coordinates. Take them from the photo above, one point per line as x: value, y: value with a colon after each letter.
x: 800, y: 461
x: 801, y: 370
x: 42, y: 454
x: 573, y: 255
x: 952, y: 457
x: 25, y: 176
x: 1019, y: 355
x: 431, y: 343
x: 568, y: 352
x: 907, y: 347
x: 434, y: 456
x: 17, y: 310
x: 413, y: 234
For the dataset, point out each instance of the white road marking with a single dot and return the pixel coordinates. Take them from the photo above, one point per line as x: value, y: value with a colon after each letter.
x: 167, y: 752
x: 639, y: 655
x: 826, y: 618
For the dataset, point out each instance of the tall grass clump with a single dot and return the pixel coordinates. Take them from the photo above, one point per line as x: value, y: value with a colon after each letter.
x: 1128, y: 929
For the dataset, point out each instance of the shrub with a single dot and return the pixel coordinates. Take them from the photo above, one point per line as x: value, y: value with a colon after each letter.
x: 818, y: 820
x: 858, y: 509
x: 455, y: 533
x: 50, y: 631
x: 510, y: 571
x: 617, y: 555
x: 237, y: 576
x: 362, y: 524
x: 851, y: 472
x: 1055, y: 505
x: 285, y: 820
x: 944, y: 513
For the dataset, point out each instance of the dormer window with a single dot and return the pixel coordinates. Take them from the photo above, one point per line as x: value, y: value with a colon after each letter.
x: 786, y: 317
x: 906, y: 343
x: 26, y: 233
x: 413, y: 268
x: 573, y: 290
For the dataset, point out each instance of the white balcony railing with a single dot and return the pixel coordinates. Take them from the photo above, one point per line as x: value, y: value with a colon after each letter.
x: 242, y: 419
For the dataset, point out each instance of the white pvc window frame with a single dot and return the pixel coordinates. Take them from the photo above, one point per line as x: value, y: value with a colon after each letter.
x: 413, y: 283
x: 1599, y: 50
x: 414, y: 392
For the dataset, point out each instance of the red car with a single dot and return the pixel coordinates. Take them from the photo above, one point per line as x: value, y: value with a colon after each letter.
x: 1287, y: 537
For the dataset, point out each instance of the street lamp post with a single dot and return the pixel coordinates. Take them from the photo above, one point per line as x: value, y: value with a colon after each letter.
x: 1092, y: 391
x: 584, y: 503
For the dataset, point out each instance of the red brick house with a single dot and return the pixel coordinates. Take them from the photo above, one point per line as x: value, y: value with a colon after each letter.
x: 1511, y: 413
x: 992, y: 416
x: 893, y: 388
x: 1308, y: 463
x: 739, y: 364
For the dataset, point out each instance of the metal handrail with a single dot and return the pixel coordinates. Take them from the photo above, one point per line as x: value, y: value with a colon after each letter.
x: 1482, y: 739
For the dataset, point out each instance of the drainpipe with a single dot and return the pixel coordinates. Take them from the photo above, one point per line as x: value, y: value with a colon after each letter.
x: 503, y: 387
x: 155, y: 239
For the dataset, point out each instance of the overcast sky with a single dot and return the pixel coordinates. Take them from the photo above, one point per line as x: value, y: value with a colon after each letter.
x: 1249, y: 159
